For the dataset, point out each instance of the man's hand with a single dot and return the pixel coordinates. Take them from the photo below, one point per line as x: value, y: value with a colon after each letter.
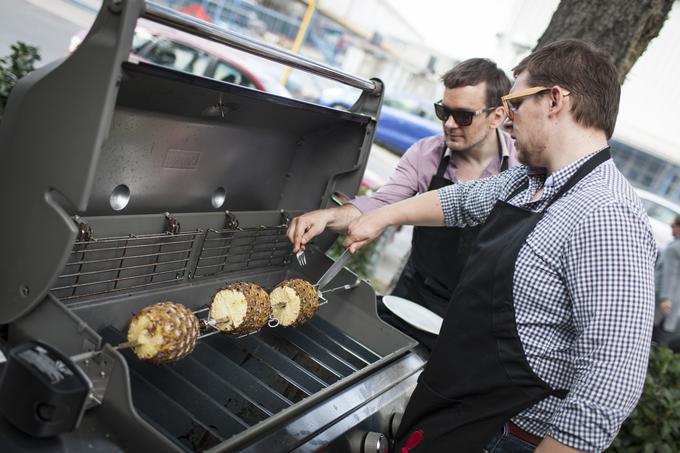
x: 364, y: 229
x: 304, y: 228
x: 665, y: 306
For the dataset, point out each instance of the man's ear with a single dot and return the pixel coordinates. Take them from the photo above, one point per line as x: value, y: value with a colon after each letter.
x: 557, y: 99
x: 498, y: 115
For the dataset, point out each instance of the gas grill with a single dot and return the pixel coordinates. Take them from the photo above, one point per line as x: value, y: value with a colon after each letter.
x: 126, y: 184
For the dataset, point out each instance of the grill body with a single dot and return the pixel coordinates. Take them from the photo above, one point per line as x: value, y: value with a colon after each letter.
x: 145, y: 184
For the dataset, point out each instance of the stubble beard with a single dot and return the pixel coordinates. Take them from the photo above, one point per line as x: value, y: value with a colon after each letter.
x: 466, y: 145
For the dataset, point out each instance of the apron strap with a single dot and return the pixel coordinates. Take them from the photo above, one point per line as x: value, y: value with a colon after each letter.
x: 522, y: 187
x: 504, y: 163
x: 592, y: 163
x: 443, y: 163
x: 599, y: 158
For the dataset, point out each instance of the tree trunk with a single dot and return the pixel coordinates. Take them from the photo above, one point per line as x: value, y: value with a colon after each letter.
x: 622, y: 28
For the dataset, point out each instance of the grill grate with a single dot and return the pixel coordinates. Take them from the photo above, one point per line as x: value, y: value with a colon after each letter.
x: 242, y: 249
x: 125, y: 263
x: 229, y: 384
x: 111, y: 264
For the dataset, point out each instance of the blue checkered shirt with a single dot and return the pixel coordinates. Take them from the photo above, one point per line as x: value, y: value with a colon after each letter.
x: 583, y: 294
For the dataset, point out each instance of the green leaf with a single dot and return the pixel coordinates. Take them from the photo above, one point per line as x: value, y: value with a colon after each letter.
x: 654, y: 425
x: 19, y: 63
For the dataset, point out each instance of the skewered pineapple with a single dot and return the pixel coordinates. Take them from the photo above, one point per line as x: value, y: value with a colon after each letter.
x: 294, y: 302
x: 163, y: 332
x: 240, y: 308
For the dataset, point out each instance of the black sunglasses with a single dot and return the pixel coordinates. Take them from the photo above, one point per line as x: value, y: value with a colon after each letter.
x: 461, y: 117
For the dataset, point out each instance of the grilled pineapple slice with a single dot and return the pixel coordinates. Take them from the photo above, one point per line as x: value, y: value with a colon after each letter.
x: 294, y: 302
x: 163, y: 332
x: 240, y: 308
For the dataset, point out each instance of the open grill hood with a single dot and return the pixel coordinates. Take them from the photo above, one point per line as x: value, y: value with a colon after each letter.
x: 129, y: 184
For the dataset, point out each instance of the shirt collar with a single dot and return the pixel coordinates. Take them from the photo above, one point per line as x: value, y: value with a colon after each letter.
x: 561, y: 176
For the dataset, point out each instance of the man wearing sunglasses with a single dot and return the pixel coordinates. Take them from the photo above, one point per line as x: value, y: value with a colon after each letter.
x: 471, y: 147
x: 545, y: 343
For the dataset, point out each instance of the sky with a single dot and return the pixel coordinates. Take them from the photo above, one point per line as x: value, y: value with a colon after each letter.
x: 469, y: 27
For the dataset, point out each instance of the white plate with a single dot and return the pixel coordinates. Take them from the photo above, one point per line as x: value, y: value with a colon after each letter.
x: 414, y: 314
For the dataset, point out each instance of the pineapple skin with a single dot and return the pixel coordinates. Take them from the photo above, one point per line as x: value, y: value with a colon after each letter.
x: 309, y: 299
x: 178, y: 326
x: 258, y: 312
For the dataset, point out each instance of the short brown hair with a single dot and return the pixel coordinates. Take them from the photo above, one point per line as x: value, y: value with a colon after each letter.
x: 587, y: 72
x: 475, y: 71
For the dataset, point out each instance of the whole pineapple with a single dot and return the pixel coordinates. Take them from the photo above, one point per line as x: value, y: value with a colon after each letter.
x: 163, y: 332
x: 294, y: 302
x: 240, y: 308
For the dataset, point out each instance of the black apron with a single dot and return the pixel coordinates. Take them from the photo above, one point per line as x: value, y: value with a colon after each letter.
x: 478, y: 377
x: 434, y: 267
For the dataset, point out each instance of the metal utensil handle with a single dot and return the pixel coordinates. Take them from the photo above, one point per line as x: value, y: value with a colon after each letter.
x: 333, y: 271
x: 170, y: 17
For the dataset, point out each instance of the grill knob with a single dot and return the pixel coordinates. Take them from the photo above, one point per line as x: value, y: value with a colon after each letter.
x: 395, y: 421
x: 374, y: 443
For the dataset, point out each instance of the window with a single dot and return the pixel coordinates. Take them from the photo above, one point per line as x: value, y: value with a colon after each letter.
x: 140, y: 39
x: 228, y: 73
x: 175, y: 55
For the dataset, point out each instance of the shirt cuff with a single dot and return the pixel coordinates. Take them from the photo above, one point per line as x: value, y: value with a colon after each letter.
x: 583, y: 427
x: 448, y: 204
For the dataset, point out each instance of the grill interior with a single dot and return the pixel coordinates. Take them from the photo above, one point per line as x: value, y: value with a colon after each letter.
x: 228, y: 384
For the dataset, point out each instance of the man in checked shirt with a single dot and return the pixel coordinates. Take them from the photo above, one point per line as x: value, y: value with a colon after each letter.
x: 471, y: 146
x: 545, y: 344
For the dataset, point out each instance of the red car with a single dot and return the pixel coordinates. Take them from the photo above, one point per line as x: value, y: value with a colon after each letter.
x: 157, y: 44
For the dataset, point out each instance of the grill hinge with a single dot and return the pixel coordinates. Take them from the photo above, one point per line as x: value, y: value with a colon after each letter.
x: 171, y: 224
x: 85, y: 231
x: 231, y: 223
x: 285, y: 218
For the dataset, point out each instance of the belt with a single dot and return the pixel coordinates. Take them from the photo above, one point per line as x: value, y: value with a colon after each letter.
x: 519, y: 433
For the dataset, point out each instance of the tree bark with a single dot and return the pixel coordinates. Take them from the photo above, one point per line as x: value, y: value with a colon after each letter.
x: 622, y: 28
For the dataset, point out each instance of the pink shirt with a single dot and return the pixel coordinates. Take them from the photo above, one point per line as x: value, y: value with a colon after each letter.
x: 417, y: 167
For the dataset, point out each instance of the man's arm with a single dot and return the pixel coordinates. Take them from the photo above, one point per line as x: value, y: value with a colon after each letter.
x: 404, y: 180
x: 456, y: 205
x: 402, y: 184
x: 608, y: 265
x: 422, y: 210
x: 305, y: 227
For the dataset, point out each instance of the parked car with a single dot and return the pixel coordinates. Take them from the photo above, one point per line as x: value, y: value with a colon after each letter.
x: 661, y: 214
x: 404, y: 119
x: 157, y: 44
